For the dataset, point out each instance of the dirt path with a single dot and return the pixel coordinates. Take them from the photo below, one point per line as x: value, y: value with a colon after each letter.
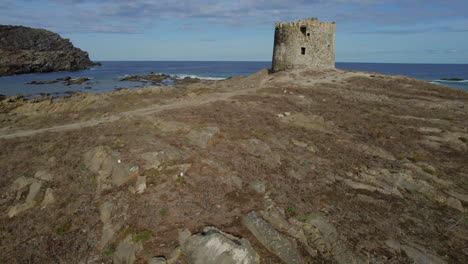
x: 199, y: 100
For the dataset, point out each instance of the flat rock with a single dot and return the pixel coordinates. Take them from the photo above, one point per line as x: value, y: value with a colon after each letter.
x: 420, y: 255
x: 108, y: 231
x: 217, y: 247
x: 277, y: 243
x: 30, y: 201
x: 202, y: 137
x: 105, y: 163
x: 330, y: 235
x: 140, y: 185
x: 455, y: 203
x: 43, y: 175
x: 49, y: 198
x: 429, y: 130
x: 126, y: 251
x: 258, y: 148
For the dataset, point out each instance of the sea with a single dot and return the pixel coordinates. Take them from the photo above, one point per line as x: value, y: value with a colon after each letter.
x: 107, y: 78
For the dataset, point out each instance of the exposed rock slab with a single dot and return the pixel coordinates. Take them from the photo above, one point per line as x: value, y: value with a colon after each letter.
x: 420, y: 255
x: 107, y: 165
x: 126, y: 251
x: 217, y: 247
x: 201, y: 137
x: 275, y: 242
x: 328, y: 234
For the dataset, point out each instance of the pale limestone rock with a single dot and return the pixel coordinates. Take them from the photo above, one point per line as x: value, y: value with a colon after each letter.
x: 429, y: 130
x: 30, y: 201
x: 140, y: 184
x: 455, y: 203
x: 217, y: 247
x: 420, y: 255
x: 299, y: 143
x: 48, y: 198
x: 21, y: 182
x: 44, y: 175
x: 126, y: 251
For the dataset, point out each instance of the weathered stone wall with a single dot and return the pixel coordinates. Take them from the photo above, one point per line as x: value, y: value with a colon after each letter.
x: 304, y: 44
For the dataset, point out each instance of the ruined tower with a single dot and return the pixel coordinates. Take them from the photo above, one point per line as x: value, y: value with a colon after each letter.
x: 304, y: 44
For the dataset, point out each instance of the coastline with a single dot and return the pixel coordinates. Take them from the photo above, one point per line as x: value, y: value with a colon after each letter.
x: 107, y: 77
x: 291, y: 146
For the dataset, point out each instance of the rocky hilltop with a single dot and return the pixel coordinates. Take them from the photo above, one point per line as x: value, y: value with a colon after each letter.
x: 292, y: 167
x: 31, y: 50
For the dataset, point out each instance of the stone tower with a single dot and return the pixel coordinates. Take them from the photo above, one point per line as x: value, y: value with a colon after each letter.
x: 304, y: 44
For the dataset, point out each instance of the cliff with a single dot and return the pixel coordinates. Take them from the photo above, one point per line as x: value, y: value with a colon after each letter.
x: 30, y: 50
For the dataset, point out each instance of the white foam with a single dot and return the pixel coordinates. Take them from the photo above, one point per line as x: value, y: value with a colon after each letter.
x: 182, y: 76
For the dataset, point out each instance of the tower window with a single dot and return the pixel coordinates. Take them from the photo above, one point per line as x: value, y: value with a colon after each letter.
x: 304, y: 30
x: 303, y: 51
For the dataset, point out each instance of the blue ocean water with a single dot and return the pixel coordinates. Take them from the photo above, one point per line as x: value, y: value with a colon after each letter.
x: 106, y: 78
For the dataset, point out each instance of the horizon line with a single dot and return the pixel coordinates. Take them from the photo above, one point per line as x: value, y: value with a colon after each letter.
x: 270, y: 61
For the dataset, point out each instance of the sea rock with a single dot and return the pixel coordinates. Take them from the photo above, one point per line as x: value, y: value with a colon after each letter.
x: 277, y: 243
x: 155, y: 79
x: 64, y: 79
x: 31, y: 50
x: 216, y: 247
x: 77, y: 81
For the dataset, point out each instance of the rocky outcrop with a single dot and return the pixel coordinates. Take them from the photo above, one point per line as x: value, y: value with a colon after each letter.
x: 216, y: 247
x: 30, y: 50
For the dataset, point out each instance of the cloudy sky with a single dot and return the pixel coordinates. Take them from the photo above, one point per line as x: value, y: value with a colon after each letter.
x: 424, y: 31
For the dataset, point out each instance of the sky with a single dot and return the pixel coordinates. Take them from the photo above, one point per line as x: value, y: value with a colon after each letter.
x: 394, y: 31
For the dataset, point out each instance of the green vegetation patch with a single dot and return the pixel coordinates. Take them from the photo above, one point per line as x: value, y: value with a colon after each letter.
x: 429, y: 170
x: 142, y: 236
x: 63, y: 228
x: 291, y: 210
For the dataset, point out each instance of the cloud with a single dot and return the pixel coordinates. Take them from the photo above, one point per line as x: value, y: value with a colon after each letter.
x: 123, y: 16
x: 445, y: 29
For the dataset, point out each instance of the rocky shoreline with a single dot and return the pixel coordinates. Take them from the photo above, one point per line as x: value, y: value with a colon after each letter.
x: 289, y: 167
x: 161, y: 79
